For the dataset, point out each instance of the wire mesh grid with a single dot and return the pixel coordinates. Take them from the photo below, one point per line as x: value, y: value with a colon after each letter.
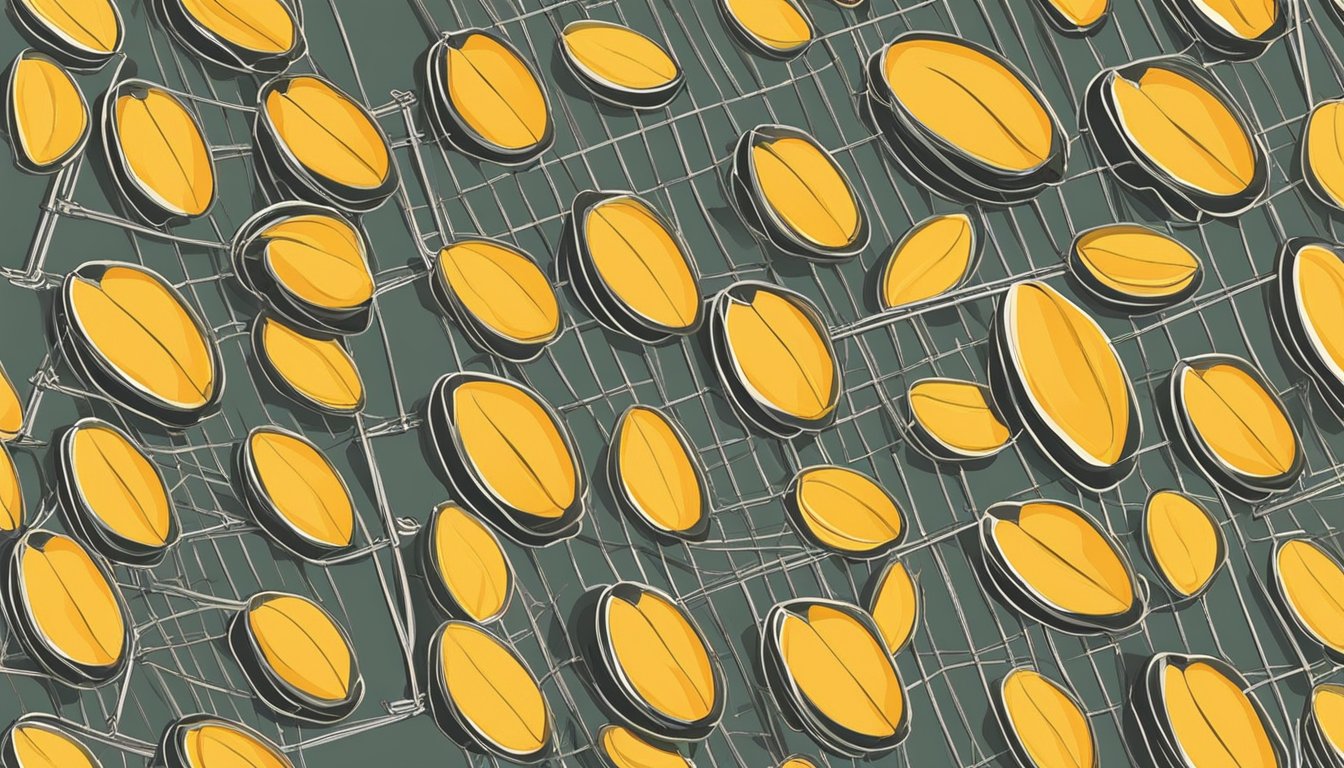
x: 965, y: 640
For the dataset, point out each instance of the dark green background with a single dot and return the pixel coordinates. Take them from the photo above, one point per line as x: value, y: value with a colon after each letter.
x: 965, y: 641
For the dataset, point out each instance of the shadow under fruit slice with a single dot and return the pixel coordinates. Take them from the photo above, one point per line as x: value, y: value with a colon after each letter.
x: 317, y: 373
x: 620, y: 65
x: 1183, y: 542
x: 775, y: 359
x: 507, y: 455
x: 295, y: 493
x: 623, y: 748
x: 299, y: 661
x: 44, y: 741
x: 499, y: 296
x: 46, y: 116
x: 1054, y: 371
x: 157, y: 152
x: 955, y: 420
x: 894, y: 603
x: 206, y: 741
x: 261, y: 36
x: 83, y: 34
x: 1075, y: 16
x: 112, y: 495
x: 1045, y: 725
x: 651, y: 664
x: 1234, y: 426
x: 132, y: 335
x: 1308, y: 582
x: 832, y: 676
x: 1306, y: 312
x: 482, y: 695
x: 1132, y: 268
x: 1057, y: 565
x: 466, y: 570
x: 779, y: 29
x: 486, y: 98
x: 844, y: 511
x: 937, y: 255
x: 654, y: 474
x: 65, y: 610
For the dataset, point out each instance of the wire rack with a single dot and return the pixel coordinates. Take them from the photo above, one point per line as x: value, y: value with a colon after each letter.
x: 965, y: 640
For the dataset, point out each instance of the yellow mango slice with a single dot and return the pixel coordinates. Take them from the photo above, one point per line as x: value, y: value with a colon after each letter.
x: 217, y: 744
x: 934, y: 257
x: 90, y: 24
x: 661, y: 657
x: 643, y: 265
x: 1327, y: 707
x: 492, y: 690
x: 1060, y: 556
x: 1186, y: 131
x: 1133, y: 261
x: 264, y: 26
x: 328, y: 133
x: 141, y: 328
x: 776, y: 25
x: 516, y: 448
x: 1185, y: 542
x: 958, y: 414
x: 320, y: 260
x: 1045, y: 722
x: 656, y: 472
x: 50, y: 114
x: 11, y: 408
x: 1079, y: 13
x: 38, y: 745
x: 895, y: 606
x: 119, y: 485
x: 1323, y: 155
x: 623, y: 748
x: 619, y: 56
x: 782, y: 354
x: 1319, y: 286
x: 1310, y: 581
x: 1072, y: 373
x: 846, y: 511
x: 495, y: 93
x: 1247, y: 19
x: 1238, y: 421
x: 502, y: 289
x: 971, y: 101
x: 1212, y: 719
x: 303, y: 646
x: 807, y: 191
x: 471, y: 563
x: 164, y: 150
x: 302, y: 487
x: 73, y: 607
x: 797, y: 762
x: 12, y: 513
x: 319, y: 371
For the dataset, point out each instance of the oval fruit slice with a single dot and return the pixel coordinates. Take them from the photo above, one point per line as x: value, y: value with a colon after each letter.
x: 1183, y: 542
x: 1057, y: 369
x: 482, y: 695
x: 112, y: 495
x: 629, y: 269
x: 844, y: 511
x: 65, y: 610
x: 297, y: 658
x: 655, y: 476
x: 132, y: 335
x: 13, y: 514
x: 1075, y: 16
x: 1309, y: 582
x: 507, y: 455
x: 309, y: 264
x: 893, y: 601
x: 11, y: 409
x: 486, y: 98
x: 499, y: 296
x: 206, y: 741
x: 953, y: 420
x: 779, y: 29
x: 466, y: 569
x: 619, y: 65
x: 157, y: 152
x: 1132, y: 268
x: 295, y: 493
x: 653, y: 665
x: 1306, y: 311
x: 1238, y: 29
x: 1234, y: 426
x: 775, y: 359
x: 937, y: 255
x: 46, y: 116
x: 82, y: 33
x: 963, y: 120
x: 44, y: 741
x: 830, y: 672
x: 1044, y: 723
x: 1057, y: 565
x: 1323, y: 725
x: 1166, y: 126
x: 792, y: 191
x: 260, y: 36
x: 318, y: 144
x: 623, y: 748
x: 317, y: 373
x: 1322, y: 154
x: 797, y: 762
